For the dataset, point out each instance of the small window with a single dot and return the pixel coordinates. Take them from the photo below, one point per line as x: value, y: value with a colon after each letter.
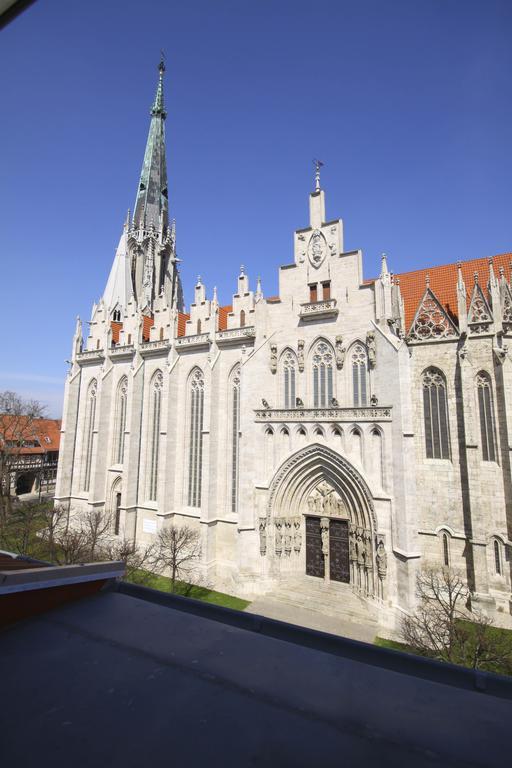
x: 198, y: 330
x: 129, y: 338
x: 242, y: 318
x: 313, y: 292
x: 161, y: 334
x: 497, y: 557
x: 446, y: 550
x: 326, y: 290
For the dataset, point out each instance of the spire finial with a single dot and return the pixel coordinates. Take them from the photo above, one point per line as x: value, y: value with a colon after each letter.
x: 242, y: 270
x: 158, y: 104
x: 318, y: 164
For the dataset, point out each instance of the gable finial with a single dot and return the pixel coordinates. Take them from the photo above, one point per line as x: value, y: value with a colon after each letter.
x: 318, y: 164
x: 475, y: 277
x: 427, y: 280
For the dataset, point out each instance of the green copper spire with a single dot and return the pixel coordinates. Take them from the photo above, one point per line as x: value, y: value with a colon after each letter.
x: 151, y: 205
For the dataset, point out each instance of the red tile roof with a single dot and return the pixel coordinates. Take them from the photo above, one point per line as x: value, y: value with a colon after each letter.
x: 148, y: 323
x: 182, y: 319
x: 116, y: 329
x: 45, y: 432
x: 443, y: 282
x: 223, y: 316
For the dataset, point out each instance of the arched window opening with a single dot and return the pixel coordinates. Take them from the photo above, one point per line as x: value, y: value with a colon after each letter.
x: 155, y: 407
x: 198, y: 327
x: 486, y: 411
x: 90, y: 415
x: 235, y: 433
x: 319, y: 432
x: 195, y: 457
x: 117, y: 513
x: 120, y: 421
x: 289, y: 378
x: 359, y: 376
x: 497, y: 557
x: 435, y: 413
x: 446, y: 550
x: 322, y: 375
x: 357, y: 445
x: 377, y: 457
x: 242, y: 318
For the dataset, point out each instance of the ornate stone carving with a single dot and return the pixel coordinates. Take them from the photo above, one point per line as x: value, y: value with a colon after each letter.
x: 273, y: 358
x: 279, y: 536
x: 431, y: 321
x: 263, y: 536
x: 317, y: 248
x: 300, y: 354
x: 326, y: 501
x: 288, y: 537
x: 479, y: 315
x: 340, y: 352
x: 324, y: 533
x: 500, y: 353
x: 381, y: 559
x: 372, y: 349
x: 297, y: 536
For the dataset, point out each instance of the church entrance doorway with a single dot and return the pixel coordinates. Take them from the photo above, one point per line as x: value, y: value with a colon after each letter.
x: 315, y: 565
x: 339, y: 551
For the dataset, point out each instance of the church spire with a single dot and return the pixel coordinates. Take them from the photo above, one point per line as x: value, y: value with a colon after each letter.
x: 151, y: 205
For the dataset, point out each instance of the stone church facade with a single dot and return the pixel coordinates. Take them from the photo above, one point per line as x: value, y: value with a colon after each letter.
x: 340, y: 434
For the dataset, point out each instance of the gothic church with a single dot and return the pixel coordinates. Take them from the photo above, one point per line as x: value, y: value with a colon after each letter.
x: 332, y: 438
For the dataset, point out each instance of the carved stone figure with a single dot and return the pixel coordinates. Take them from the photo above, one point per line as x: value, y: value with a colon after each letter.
x: 372, y: 349
x: 339, y: 352
x: 297, y: 536
x: 300, y: 354
x: 500, y: 353
x: 288, y: 537
x: 324, y: 532
x: 340, y: 507
x: 311, y: 504
x: 382, y: 568
x: 279, y: 537
x: 374, y: 401
x: 263, y: 536
x: 273, y: 358
x: 317, y: 248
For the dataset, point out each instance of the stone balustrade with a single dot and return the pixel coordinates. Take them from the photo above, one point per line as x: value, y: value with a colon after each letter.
x: 236, y: 334
x: 90, y: 356
x: 314, y: 309
x: 122, y: 350
x: 197, y: 340
x: 161, y: 346
x: 323, y: 414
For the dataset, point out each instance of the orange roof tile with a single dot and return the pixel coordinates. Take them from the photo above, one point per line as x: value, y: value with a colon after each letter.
x: 46, y: 432
x: 116, y: 329
x: 182, y: 319
x: 223, y: 316
x: 148, y: 323
x: 443, y: 282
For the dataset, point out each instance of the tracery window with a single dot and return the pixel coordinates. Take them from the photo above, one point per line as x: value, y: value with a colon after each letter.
x: 235, y: 434
x: 155, y: 407
x: 195, y: 456
x: 289, y: 368
x: 322, y: 375
x: 486, y: 411
x: 90, y: 415
x: 359, y: 361
x: 120, y: 421
x: 435, y: 412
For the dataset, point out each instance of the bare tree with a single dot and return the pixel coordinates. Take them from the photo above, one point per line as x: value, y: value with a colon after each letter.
x: 17, y: 417
x: 177, y: 553
x: 55, y: 518
x: 444, y: 628
x: 96, y: 525
x: 135, y: 557
x: 71, y: 546
x: 21, y: 530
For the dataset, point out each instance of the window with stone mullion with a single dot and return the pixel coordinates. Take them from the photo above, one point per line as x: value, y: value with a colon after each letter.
x: 486, y: 412
x: 435, y: 412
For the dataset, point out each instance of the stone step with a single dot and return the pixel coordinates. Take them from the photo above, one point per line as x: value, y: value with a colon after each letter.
x: 329, y: 599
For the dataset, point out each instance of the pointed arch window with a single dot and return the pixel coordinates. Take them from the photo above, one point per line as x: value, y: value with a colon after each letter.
x: 497, y: 557
x: 120, y: 421
x: 242, y: 318
x: 323, y: 380
x: 446, y: 550
x: 359, y: 360
x: 155, y: 408
x: 90, y: 415
x: 289, y: 369
x: 435, y: 413
x: 235, y: 434
x: 195, y: 455
x: 486, y: 412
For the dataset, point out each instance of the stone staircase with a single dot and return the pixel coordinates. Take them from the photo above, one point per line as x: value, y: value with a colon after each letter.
x: 330, y: 607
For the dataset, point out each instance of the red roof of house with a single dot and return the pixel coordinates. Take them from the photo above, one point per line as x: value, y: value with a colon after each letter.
x: 116, y: 329
x: 46, y: 432
x: 147, y: 324
x: 443, y: 282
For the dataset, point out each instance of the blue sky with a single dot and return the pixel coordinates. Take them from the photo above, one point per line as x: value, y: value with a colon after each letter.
x: 408, y: 103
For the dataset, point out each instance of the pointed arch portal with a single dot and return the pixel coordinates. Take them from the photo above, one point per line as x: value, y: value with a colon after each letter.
x: 318, y: 493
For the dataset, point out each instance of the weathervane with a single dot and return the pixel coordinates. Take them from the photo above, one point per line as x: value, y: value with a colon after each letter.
x: 318, y: 164
x: 161, y: 66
